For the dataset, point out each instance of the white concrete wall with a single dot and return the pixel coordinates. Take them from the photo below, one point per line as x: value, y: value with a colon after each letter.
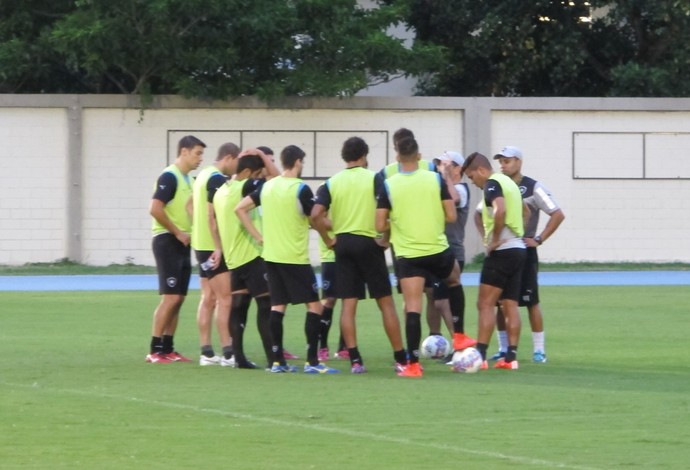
x: 78, y: 171
x: 33, y: 190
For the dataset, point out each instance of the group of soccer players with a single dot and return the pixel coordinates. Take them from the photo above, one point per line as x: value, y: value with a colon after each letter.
x: 249, y: 226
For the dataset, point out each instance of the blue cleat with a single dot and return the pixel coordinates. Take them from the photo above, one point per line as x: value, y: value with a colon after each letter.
x: 319, y: 369
x: 278, y: 369
x: 498, y: 355
x: 539, y: 357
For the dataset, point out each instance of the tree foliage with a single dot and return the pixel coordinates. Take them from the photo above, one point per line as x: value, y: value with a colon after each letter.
x: 545, y: 48
x: 211, y: 49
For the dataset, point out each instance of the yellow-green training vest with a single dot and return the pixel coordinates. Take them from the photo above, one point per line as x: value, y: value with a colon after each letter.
x: 394, y: 168
x: 417, y: 217
x: 513, y: 204
x: 285, y: 227
x: 176, y: 209
x: 353, y: 203
x: 239, y: 247
x: 325, y: 254
x: 201, y: 231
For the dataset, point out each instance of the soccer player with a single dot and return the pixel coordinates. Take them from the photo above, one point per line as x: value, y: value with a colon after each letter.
x: 537, y: 198
x: 214, y: 278
x: 347, y: 203
x: 420, y: 242
x: 243, y: 255
x: 287, y: 203
x: 502, y: 229
x: 172, y: 224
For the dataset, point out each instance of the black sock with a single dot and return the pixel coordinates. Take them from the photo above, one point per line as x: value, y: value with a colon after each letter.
x: 341, y: 343
x: 481, y: 347
x: 311, y: 330
x: 168, y: 346
x: 400, y: 357
x: 325, y: 326
x: 156, y: 345
x: 207, y: 350
x: 456, y: 298
x: 228, y: 352
x: 276, y: 323
x: 511, y: 354
x: 263, y: 323
x: 355, y: 357
x: 413, y: 331
x: 238, y: 322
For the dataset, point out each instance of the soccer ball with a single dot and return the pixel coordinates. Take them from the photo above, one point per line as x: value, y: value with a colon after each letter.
x: 435, y: 347
x: 468, y: 360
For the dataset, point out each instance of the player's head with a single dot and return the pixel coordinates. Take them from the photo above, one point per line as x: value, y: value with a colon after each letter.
x: 401, y: 134
x: 477, y: 168
x: 249, y: 166
x: 408, y: 150
x: 290, y: 155
x: 353, y: 149
x: 190, y: 151
x: 228, y: 149
x: 510, y: 159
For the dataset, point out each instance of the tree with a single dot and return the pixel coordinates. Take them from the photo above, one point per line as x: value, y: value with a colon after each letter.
x: 209, y: 49
x: 555, y: 47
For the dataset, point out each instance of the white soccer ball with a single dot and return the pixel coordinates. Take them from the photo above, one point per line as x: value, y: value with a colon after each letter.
x: 435, y: 347
x: 468, y: 360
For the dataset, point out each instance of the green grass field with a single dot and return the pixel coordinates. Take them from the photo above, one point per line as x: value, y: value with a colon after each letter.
x: 76, y: 393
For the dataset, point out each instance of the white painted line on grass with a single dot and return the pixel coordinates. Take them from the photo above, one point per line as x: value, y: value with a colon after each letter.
x: 313, y: 427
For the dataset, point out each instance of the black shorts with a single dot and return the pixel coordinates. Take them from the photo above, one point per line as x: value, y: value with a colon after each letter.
x: 173, y: 263
x: 202, y: 256
x: 251, y: 276
x: 503, y: 269
x: 529, y: 289
x: 328, y: 279
x: 361, y: 263
x: 440, y: 287
x: 439, y: 265
x: 291, y: 283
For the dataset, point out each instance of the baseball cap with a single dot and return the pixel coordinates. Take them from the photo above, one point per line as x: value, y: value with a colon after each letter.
x: 509, y: 152
x: 454, y: 157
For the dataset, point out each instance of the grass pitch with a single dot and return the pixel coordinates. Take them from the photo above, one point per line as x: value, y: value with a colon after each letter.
x: 75, y: 392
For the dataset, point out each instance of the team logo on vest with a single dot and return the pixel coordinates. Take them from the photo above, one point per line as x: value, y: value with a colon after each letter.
x: 523, y: 190
x: 326, y: 284
x: 171, y: 281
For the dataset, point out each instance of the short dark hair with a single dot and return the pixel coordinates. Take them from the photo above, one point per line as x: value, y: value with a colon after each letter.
x: 290, y: 155
x: 400, y: 134
x: 266, y: 150
x: 353, y: 149
x: 475, y: 160
x: 189, y: 142
x: 251, y: 162
x: 226, y: 149
x: 407, y: 147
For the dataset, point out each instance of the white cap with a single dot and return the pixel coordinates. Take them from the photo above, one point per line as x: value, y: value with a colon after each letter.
x: 454, y: 157
x: 509, y: 152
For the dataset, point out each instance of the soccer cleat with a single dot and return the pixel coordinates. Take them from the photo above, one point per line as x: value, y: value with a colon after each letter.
x: 399, y: 367
x: 539, y: 357
x: 246, y: 364
x: 342, y: 354
x: 288, y: 355
x: 484, y: 366
x: 323, y: 355
x: 227, y: 362
x: 157, y: 358
x: 177, y: 357
x: 503, y: 364
x: 462, y: 341
x: 209, y: 361
x: 319, y: 369
x: 276, y: 368
x: 498, y: 355
x: 412, y: 369
x: 358, y: 368
x: 447, y: 360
